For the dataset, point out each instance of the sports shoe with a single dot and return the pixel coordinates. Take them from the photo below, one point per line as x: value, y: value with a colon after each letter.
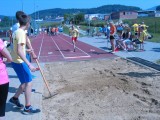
x: 16, y: 102
x: 113, y: 52
x: 30, y: 110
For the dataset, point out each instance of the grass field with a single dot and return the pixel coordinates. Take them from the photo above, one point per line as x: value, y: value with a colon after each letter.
x: 154, y: 26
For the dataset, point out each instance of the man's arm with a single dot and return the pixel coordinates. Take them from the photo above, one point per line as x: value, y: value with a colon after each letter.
x: 6, y: 54
x: 23, y: 57
x: 77, y: 32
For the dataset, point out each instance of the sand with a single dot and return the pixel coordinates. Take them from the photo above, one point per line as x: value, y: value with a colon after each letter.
x: 111, y: 89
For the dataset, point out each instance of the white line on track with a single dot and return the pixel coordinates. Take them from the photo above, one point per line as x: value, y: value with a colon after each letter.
x: 58, y: 47
x: 41, y: 47
x: 77, y: 57
x: 52, y: 56
x: 76, y: 47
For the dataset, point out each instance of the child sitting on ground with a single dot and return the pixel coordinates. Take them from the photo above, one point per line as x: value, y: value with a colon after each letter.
x: 143, y: 36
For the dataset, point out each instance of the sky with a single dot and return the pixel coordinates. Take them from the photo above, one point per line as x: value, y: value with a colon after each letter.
x: 9, y: 7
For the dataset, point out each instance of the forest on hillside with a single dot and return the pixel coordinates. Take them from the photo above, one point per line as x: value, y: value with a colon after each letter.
x: 158, y: 8
x: 52, y: 13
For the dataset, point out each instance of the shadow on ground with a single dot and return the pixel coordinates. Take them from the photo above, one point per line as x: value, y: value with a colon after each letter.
x: 156, y: 49
x: 12, y: 89
x: 12, y: 76
x: 140, y: 75
x: 10, y: 107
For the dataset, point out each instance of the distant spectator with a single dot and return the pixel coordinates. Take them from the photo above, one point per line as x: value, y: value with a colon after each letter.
x: 112, y: 33
x: 135, y: 29
x: 75, y: 35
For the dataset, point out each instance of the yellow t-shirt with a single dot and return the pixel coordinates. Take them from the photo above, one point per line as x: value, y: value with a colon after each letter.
x: 19, y: 37
x: 145, y: 26
x: 75, y: 33
x: 135, y: 27
x: 142, y: 36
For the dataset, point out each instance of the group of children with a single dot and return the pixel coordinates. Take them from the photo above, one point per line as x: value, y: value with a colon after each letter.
x: 52, y: 31
x: 20, y: 44
x: 121, y: 36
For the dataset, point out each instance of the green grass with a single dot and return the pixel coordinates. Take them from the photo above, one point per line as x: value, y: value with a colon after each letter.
x: 66, y: 30
x: 158, y: 61
x: 152, y: 22
x: 156, y: 38
x: 49, y: 24
x: 153, y: 29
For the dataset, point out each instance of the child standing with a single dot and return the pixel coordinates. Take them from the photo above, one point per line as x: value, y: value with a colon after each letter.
x: 142, y: 37
x: 75, y: 34
x: 22, y: 66
x: 112, y: 33
x: 4, y: 81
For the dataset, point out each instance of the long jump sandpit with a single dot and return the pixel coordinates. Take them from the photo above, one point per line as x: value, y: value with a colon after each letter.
x: 111, y: 89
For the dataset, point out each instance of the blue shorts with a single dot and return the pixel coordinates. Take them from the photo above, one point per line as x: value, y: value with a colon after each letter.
x: 23, y: 72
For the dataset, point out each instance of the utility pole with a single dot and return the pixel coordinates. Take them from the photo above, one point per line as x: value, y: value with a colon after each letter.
x: 22, y: 4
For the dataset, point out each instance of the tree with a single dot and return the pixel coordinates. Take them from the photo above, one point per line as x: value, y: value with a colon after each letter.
x: 158, y: 8
x: 79, y: 18
x: 6, y: 21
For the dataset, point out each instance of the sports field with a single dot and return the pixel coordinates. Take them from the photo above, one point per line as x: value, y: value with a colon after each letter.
x: 92, y: 84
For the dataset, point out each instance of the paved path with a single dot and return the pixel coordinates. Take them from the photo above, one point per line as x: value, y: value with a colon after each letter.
x: 13, y: 113
x: 151, y: 53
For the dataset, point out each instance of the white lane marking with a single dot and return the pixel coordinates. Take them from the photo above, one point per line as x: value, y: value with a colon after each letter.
x: 77, y: 57
x: 41, y: 47
x: 58, y: 47
x: 49, y: 53
x: 76, y: 46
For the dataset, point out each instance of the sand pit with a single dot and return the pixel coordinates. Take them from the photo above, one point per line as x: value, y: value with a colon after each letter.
x: 102, y: 90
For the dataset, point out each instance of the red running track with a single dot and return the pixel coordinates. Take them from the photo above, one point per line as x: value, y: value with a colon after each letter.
x: 60, y: 48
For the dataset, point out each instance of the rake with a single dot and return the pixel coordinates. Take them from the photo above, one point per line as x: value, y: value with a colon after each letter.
x: 45, y: 81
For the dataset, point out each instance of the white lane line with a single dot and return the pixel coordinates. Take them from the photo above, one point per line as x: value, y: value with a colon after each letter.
x: 77, y: 57
x: 49, y: 53
x: 58, y: 47
x: 51, y: 56
x: 76, y: 46
x: 41, y: 47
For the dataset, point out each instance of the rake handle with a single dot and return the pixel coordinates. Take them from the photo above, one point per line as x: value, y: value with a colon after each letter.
x: 44, y: 79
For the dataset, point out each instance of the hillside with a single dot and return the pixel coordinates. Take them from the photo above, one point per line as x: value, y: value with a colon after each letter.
x: 102, y: 9
x: 2, y: 16
x: 155, y: 8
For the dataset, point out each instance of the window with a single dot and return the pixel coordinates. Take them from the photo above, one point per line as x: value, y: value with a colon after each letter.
x: 123, y: 13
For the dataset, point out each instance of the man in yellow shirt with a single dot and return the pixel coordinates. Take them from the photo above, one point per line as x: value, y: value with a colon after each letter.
x: 135, y: 28
x: 22, y: 66
x: 143, y: 36
x: 75, y: 35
